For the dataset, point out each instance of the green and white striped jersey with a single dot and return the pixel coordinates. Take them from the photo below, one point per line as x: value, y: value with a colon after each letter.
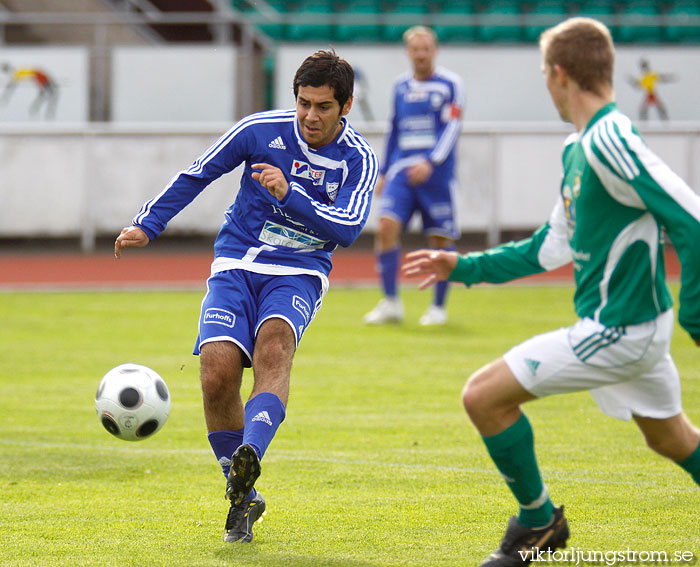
x: 616, y: 197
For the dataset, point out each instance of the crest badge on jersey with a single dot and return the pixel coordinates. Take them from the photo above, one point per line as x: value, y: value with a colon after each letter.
x: 304, y: 170
x: 332, y: 190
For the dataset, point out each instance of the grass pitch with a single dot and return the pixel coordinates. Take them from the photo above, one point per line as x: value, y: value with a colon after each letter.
x: 376, y: 464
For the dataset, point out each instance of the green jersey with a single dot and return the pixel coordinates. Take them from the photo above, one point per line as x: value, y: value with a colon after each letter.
x: 616, y: 198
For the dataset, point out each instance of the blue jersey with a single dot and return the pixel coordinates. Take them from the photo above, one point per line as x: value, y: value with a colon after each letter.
x: 330, y: 191
x: 426, y: 122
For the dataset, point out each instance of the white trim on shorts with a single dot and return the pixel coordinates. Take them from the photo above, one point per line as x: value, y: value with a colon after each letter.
x: 627, y: 370
x: 225, y: 338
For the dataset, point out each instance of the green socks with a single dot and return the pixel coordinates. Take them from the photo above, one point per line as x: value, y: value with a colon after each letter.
x: 692, y: 465
x: 513, y: 452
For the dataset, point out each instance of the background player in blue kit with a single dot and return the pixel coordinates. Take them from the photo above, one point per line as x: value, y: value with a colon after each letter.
x: 306, y: 188
x: 418, y: 174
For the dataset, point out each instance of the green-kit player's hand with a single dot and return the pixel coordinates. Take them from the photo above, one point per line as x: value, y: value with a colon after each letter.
x: 130, y: 236
x: 435, y: 264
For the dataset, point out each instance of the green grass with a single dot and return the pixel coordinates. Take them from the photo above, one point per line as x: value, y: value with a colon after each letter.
x: 375, y: 465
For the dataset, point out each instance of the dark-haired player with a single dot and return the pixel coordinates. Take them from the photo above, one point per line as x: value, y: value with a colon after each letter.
x: 306, y: 188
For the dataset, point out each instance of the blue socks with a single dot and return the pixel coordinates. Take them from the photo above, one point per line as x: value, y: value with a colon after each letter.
x: 263, y: 415
x: 224, y: 444
x: 388, y: 268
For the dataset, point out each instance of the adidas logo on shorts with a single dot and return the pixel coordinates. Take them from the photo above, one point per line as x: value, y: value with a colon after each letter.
x: 277, y: 144
x: 532, y: 365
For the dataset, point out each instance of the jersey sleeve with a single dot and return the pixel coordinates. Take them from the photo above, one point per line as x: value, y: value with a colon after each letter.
x: 548, y: 248
x: 223, y: 156
x: 647, y: 182
x: 450, y: 124
x: 342, y: 221
x: 392, y: 137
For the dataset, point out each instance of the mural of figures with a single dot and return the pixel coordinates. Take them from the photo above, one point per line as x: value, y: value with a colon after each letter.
x: 46, y: 90
x: 647, y: 81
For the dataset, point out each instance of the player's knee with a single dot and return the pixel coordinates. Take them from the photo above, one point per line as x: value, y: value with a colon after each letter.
x: 388, y: 233
x: 473, y: 398
x: 219, y: 366
x: 274, y: 345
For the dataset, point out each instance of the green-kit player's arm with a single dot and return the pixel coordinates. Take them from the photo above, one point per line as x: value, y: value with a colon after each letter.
x: 677, y: 208
x: 547, y: 249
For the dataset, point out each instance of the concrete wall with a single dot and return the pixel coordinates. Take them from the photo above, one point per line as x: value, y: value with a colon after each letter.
x: 501, y: 84
x: 90, y: 181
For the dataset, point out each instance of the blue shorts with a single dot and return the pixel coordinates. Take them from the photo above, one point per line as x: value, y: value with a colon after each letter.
x: 239, y: 301
x: 434, y: 199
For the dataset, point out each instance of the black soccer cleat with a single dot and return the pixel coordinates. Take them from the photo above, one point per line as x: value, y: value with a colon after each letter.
x: 521, y: 544
x: 241, y: 517
x: 244, y: 471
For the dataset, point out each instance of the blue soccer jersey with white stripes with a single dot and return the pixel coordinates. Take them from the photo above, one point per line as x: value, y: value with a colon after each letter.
x: 426, y: 121
x: 328, y: 202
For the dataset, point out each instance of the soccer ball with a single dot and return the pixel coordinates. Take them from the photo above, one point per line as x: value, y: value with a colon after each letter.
x: 132, y: 402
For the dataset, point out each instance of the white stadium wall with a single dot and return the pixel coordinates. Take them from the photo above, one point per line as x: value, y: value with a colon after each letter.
x: 173, y: 84
x: 67, y: 67
x: 92, y: 181
x: 502, y: 84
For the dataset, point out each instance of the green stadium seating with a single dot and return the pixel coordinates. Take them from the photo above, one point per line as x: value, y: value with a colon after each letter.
x: 667, y: 20
x: 415, y: 8
x: 276, y: 30
x: 554, y: 10
x: 456, y: 32
x: 648, y: 28
x: 359, y: 32
x: 316, y: 29
x: 602, y: 10
x: 492, y: 30
x: 681, y: 11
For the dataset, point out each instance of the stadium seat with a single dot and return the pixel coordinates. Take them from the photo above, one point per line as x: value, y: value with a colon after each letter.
x: 276, y: 30
x: 349, y: 31
x: 494, y: 27
x: 679, y: 12
x: 554, y: 10
x: 647, y: 29
x: 602, y: 10
x: 315, y: 29
x: 456, y: 32
x: 414, y: 8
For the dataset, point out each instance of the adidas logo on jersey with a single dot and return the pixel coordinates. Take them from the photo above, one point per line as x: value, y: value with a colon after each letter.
x: 263, y: 416
x: 277, y: 144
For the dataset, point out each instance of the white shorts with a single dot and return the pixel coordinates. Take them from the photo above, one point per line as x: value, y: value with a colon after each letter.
x: 628, y: 370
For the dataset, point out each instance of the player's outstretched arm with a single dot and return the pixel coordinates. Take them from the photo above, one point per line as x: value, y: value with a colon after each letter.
x: 272, y: 179
x: 435, y: 264
x: 130, y: 236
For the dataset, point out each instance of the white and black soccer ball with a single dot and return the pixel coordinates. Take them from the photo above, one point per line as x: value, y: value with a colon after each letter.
x: 132, y: 402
